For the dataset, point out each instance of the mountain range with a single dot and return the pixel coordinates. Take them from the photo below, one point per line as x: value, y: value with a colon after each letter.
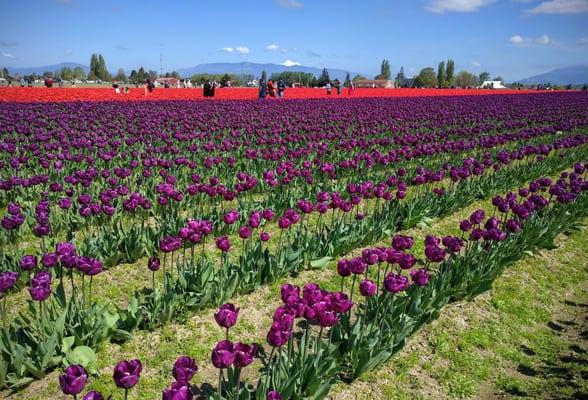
x: 577, y: 75
x: 46, y: 68
x: 254, y: 69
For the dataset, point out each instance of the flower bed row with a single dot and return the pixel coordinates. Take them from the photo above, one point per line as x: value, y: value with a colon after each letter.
x: 38, y: 94
x: 318, y: 337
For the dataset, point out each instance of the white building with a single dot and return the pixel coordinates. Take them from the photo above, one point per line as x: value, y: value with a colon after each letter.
x: 492, y: 85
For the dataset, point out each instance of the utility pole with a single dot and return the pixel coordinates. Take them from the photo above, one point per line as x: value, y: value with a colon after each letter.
x: 160, y: 64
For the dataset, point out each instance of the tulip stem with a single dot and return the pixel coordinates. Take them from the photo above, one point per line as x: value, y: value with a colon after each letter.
x: 220, y: 384
x: 153, y: 277
x: 227, y: 334
x: 83, y: 290
x: 126, y: 394
x: 90, y: 302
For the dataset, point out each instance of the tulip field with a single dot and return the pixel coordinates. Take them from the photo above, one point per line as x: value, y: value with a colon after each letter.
x: 244, y: 249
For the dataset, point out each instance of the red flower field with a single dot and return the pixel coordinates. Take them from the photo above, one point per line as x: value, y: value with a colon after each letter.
x: 17, y: 94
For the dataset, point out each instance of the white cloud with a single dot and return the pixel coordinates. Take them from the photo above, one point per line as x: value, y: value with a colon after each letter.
x: 272, y: 47
x: 441, y: 6
x: 583, y: 40
x: 290, y: 63
x: 543, y: 40
x: 289, y: 3
x: 560, y: 7
x: 67, y: 52
x: 8, y: 55
x: 476, y: 63
x: 228, y: 49
x: 516, y: 39
x: 242, y: 50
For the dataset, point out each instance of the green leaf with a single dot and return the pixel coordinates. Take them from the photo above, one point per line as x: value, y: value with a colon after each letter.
x: 321, y: 262
x: 84, y: 356
x: 67, y: 344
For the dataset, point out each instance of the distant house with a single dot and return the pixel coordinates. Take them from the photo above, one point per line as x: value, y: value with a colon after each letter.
x: 374, y: 83
x: 492, y: 85
x: 168, y: 82
x: 408, y: 83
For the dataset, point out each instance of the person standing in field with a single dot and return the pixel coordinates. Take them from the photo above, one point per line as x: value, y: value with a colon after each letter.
x: 271, y: 89
x: 351, y: 89
x: 262, y: 89
x: 328, y: 87
x: 338, y: 86
x: 281, y: 88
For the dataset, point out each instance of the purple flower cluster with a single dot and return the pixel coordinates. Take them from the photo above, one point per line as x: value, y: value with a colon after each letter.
x: 183, y: 371
x: 14, y: 218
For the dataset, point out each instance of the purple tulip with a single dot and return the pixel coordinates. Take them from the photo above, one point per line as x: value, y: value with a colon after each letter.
x: 420, y: 276
x: 278, y: 338
x: 49, y: 260
x: 244, y: 354
x: 223, y: 243
x: 367, y: 288
x: 401, y: 242
x: 274, y: 395
x: 93, y: 395
x: 264, y: 236
x: 127, y: 373
x: 7, y: 281
x: 244, y: 232
x: 154, y: 263
x: 226, y: 317
x: 287, y: 290
x: 40, y: 286
x: 223, y: 354
x: 434, y: 253
x: 177, y: 391
x: 73, y: 380
x: 396, y: 283
x: 184, y: 369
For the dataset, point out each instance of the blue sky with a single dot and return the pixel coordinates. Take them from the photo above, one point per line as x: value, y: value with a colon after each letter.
x: 511, y: 38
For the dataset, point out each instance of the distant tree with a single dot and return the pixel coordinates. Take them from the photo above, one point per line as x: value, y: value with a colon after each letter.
x: 441, y: 74
x: 78, y: 73
x: 384, y: 70
x: 290, y: 77
x: 449, y: 72
x: 175, y: 74
x: 484, y: 76
x: 93, y: 63
x: 263, y: 76
x: 133, y: 76
x: 66, y: 73
x: 498, y: 78
x: 324, y: 78
x: 141, y: 75
x: 120, y: 75
x: 400, y: 77
x: 426, y: 78
x: 92, y: 76
x: 359, y: 77
x: 466, y: 79
x: 347, y: 82
x: 98, y: 67
x: 47, y: 74
x: 152, y: 74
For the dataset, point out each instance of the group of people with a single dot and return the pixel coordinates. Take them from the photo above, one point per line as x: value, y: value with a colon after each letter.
x: 337, y: 85
x: 208, y: 88
x: 271, y: 89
